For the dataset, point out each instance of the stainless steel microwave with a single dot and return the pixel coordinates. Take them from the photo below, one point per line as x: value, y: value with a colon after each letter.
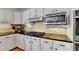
x: 56, y: 18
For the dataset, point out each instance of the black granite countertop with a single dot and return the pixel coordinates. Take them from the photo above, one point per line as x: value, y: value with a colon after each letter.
x: 67, y: 40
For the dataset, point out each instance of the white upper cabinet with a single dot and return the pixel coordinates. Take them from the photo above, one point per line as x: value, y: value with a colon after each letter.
x: 2, y: 15
x: 32, y: 13
x: 25, y: 17
x: 39, y: 12
x: 62, y: 9
x: 17, y: 17
x: 9, y: 16
x: 49, y: 11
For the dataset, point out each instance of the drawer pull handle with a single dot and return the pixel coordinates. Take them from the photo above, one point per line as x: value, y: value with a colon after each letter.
x: 34, y: 39
x: 0, y: 42
x: 46, y: 42
x: 7, y: 37
x: 62, y: 45
x: 32, y: 42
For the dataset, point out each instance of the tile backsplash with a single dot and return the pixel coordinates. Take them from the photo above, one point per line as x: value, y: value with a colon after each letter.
x: 40, y: 27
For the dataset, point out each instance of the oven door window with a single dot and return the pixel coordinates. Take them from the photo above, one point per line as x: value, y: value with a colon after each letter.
x: 77, y: 26
x: 52, y: 19
x: 61, y: 18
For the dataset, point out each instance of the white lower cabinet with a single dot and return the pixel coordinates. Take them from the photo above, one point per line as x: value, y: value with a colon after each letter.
x: 46, y: 45
x: 6, y: 43
x: 63, y: 46
x: 11, y: 41
x: 35, y: 43
x: 32, y: 43
x: 27, y: 43
x: 3, y: 46
x: 20, y: 41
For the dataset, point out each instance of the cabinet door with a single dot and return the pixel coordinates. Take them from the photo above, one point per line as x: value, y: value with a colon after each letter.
x: 49, y: 11
x: 17, y: 17
x: 20, y: 41
x: 32, y: 13
x: 2, y: 44
x: 63, y: 46
x: 39, y: 12
x: 27, y: 43
x: 35, y: 44
x: 62, y: 9
x: 46, y: 45
x: 2, y: 15
x: 9, y: 16
x: 25, y: 17
x: 9, y: 42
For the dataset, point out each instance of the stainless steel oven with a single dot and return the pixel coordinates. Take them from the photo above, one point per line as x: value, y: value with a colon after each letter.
x: 56, y: 18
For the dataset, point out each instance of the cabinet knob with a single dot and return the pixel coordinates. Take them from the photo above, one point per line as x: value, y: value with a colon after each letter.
x: 51, y: 47
x: 56, y: 49
x: 23, y: 39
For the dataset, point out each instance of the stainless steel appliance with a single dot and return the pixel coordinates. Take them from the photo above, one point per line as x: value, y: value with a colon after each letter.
x: 56, y: 18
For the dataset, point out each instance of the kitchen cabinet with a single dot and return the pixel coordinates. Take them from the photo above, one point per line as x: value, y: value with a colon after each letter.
x: 9, y: 16
x: 20, y: 41
x: 28, y: 43
x: 2, y: 15
x: 17, y: 17
x: 25, y: 17
x: 32, y: 43
x: 39, y: 12
x: 62, y: 9
x: 63, y: 46
x: 54, y: 10
x: 7, y: 42
x: 49, y: 11
x: 46, y: 45
x: 3, y: 46
x: 32, y: 13
x: 35, y: 43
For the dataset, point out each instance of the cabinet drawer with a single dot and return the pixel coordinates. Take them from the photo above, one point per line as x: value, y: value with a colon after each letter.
x: 46, y: 45
x: 63, y: 46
